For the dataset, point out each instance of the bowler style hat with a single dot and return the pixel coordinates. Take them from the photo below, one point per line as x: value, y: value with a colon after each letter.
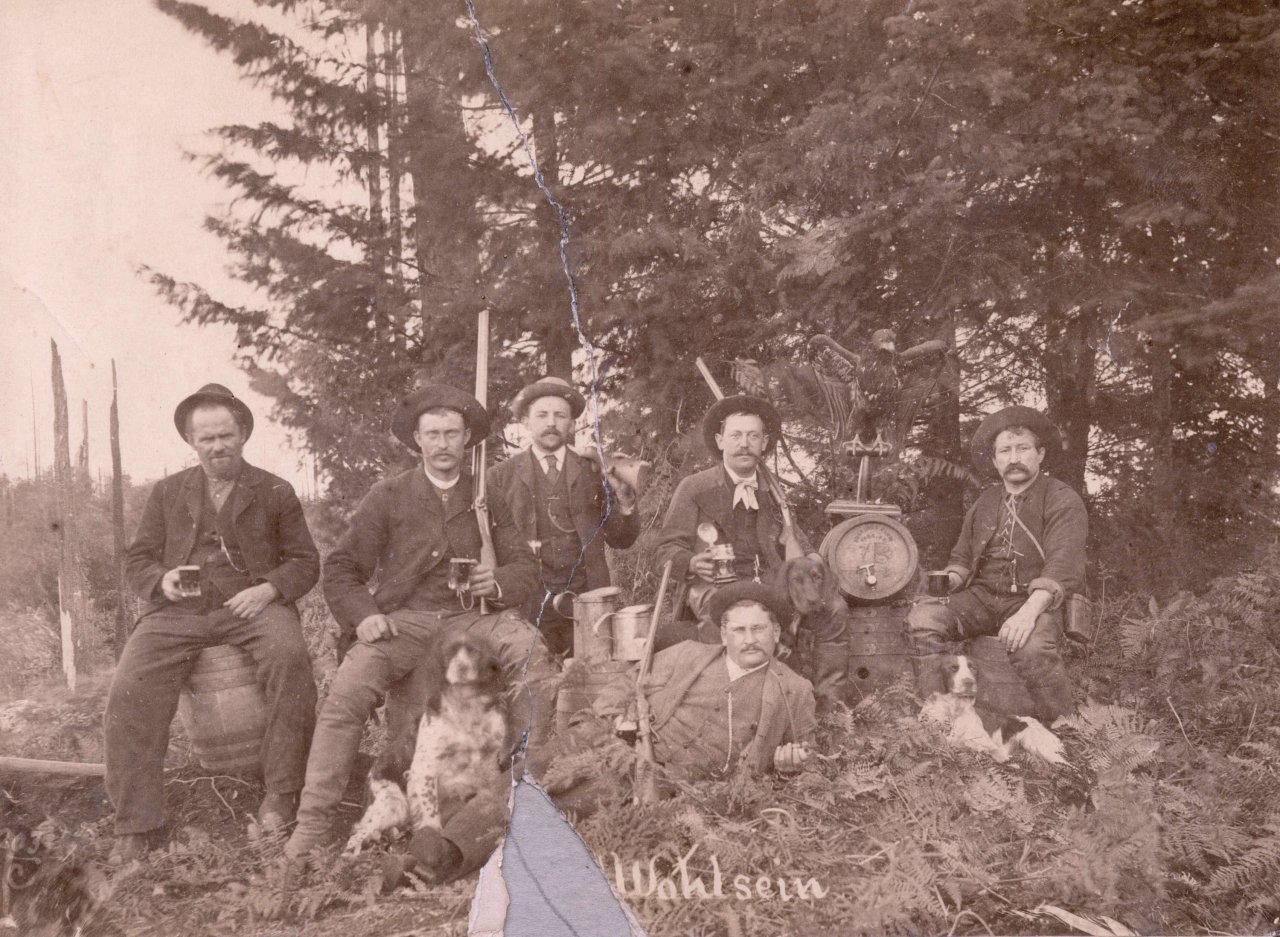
x: 996, y: 423
x: 429, y: 396
x: 548, y: 387
x: 740, y: 403
x: 213, y: 395
x: 735, y: 592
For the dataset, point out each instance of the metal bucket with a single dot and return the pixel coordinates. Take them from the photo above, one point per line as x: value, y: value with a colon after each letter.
x: 592, y: 623
x: 999, y: 686
x: 579, y: 690
x: 224, y: 712
x: 879, y: 647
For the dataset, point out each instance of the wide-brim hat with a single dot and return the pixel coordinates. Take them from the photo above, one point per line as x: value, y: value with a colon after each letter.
x: 429, y: 396
x: 741, y: 403
x: 213, y: 395
x: 741, y: 591
x: 996, y: 423
x: 548, y: 387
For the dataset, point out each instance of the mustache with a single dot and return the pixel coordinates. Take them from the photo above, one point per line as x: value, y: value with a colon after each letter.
x: 1015, y: 465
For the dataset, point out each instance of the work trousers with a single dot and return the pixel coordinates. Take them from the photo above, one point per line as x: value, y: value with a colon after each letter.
x: 370, y: 669
x: 155, y: 664
x: 978, y: 611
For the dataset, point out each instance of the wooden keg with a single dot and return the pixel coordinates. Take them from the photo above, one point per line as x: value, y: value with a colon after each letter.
x: 879, y: 647
x: 999, y: 686
x: 224, y: 712
x: 581, y: 686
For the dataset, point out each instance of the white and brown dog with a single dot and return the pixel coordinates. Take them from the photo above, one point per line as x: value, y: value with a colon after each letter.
x: 456, y: 750
x: 983, y: 730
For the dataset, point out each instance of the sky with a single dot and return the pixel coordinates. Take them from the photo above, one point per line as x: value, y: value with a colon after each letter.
x: 99, y: 102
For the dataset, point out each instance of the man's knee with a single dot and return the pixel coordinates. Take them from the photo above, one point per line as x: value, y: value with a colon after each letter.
x: 1044, y: 641
x: 929, y: 621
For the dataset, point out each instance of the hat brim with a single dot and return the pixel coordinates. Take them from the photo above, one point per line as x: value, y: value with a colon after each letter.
x: 734, y: 592
x: 404, y: 422
x: 203, y: 399
x: 740, y: 403
x: 996, y: 423
x: 577, y: 403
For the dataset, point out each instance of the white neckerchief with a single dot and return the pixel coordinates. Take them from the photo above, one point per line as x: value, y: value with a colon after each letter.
x: 744, y: 491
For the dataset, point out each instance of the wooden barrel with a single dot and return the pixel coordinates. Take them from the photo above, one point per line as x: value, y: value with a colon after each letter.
x: 999, y: 686
x: 223, y: 711
x: 582, y: 685
x: 879, y: 648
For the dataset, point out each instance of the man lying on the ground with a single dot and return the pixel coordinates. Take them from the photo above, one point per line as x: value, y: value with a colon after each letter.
x: 718, y: 709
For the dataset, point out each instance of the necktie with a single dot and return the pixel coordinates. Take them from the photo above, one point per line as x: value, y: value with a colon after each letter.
x: 553, y: 473
x: 744, y: 493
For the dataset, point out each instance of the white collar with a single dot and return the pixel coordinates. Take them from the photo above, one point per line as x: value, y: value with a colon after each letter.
x: 736, y: 672
x: 740, y: 479
x: 540, y: 456
x: 441, y: 483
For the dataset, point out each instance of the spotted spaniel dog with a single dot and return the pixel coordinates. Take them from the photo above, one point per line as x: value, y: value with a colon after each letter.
x: 454, y: 752
x: 982, y: 729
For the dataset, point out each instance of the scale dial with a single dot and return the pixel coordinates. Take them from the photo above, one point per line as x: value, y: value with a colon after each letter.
x: 873, y: 556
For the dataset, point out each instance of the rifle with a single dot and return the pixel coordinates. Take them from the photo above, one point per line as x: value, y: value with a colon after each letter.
x: 488, y: 556
x: 646, y: 767
x: 791, y: 548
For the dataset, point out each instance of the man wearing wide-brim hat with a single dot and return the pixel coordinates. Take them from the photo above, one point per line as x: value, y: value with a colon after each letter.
x: 242, y: 533
x: 732, y: 497
x: 1021, y: 552
x: 564, y: 506
x: 388, y: 585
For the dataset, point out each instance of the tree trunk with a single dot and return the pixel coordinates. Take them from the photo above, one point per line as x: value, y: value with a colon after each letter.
x: 71, y: 591
x: 559, y: 337
x: 1069, y: 381
x: 124, y: 601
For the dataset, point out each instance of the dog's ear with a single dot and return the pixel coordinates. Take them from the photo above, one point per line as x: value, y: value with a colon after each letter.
x: 829, y: 591
x: 932, y: 671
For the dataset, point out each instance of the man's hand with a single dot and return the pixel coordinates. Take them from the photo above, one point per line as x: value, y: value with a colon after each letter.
x: 375, y: 628
x: 790, y: 757
x: 624, y: 493
x: 1017, y: 628
x: 483, y: 585
x: 700, y: 565
x: 954, y: 580
x: 249, y: 603
x: 169, y: 586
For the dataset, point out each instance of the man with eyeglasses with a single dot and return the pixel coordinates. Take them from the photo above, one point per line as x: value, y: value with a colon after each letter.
x: 559, y: 501
x: 389, y: 585
x: 241, y: 534
x: 732, y: 498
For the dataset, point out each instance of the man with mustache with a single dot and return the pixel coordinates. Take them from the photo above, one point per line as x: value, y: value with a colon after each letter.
x: 731, y: 496
x: 562, y: 504
x: 1020, y: 553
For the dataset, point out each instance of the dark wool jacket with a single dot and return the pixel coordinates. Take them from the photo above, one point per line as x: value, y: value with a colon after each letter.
x: 1054, y: 513
x: 787, y: 703
x: 708, y: 495
x: 269, y: 526
x: 512, y: 481
x: 399, y: 532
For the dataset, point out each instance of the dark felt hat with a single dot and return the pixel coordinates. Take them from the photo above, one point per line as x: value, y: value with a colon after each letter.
x: 429, y: 396
x: 725, y: 596
x: 740, y: 403
x: 548, y: 387
x: 213, y: 395
x: 996, y: 423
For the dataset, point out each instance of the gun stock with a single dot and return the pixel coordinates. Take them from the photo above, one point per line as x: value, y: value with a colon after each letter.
x: 646, y: 790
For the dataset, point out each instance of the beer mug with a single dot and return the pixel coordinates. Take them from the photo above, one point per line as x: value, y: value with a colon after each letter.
x: 460, y: 574
x: 189, y: 582
x: 722, y: 558
x: 939, y: 583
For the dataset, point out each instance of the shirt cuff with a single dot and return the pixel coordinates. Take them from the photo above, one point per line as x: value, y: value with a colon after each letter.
x: 961, y: 571
x: 1052, y: 586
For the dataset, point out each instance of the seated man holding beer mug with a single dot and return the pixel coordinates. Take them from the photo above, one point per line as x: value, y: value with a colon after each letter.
x: 221, y: 554
x: 418, y: 537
